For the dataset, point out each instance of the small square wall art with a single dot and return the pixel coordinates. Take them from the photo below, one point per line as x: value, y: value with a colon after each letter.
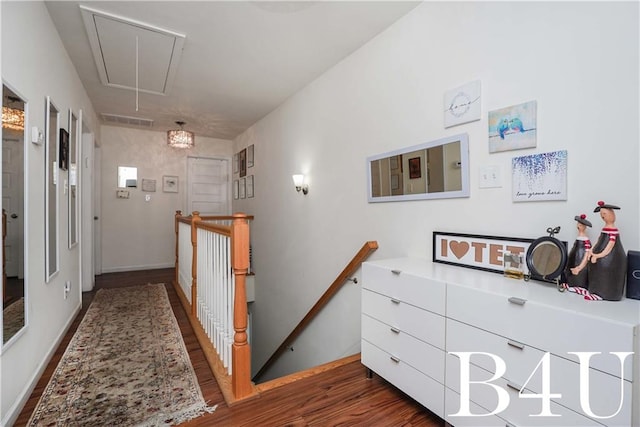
x: 540, y: 177
x: 462, y: 104
x: 513, y: 128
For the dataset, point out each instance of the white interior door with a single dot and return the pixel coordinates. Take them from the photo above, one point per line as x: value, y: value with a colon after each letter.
x: 97, y: 210
x: 208, y: 186
x: 13, y: 203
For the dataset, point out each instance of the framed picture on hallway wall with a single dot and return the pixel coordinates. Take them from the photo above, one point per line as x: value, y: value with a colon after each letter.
x: 242, y: 162
x: 243, y: 188
x: 249, y: 186
x: 170, y: 184
x: 64, y: 149
x: 414, y: 168
x: 250, y: 156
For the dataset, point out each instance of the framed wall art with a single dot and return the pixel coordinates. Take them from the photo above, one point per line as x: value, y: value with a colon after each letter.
x: 243, y: 188
x: 250, y: 156
x: 476, y: 251
x: 242, y: 162
x: 148, y: 185
x: 170, y: 184
x: 462, y: 104
x: 64, y: 149
x: 415, y: 171
x: 539, y: 177
x: 513, y: 128
x: 236, y: 189
x: 249, y: 186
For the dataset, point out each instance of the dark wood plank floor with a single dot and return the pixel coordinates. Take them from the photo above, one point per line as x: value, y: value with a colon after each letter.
x: 342, y: 396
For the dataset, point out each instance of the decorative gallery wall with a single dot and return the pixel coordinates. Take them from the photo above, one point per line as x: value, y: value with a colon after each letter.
x: 243, y: 184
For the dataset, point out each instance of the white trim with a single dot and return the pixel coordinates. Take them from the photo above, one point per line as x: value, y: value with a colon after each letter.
x: 137, y: 267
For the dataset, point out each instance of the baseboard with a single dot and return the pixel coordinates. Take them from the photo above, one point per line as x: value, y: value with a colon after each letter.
x: 14, y: 412
x: 137, y: 267
x: 288, y: 379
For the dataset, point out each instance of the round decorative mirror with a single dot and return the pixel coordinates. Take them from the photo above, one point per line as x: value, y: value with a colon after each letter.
x: 547, y: 258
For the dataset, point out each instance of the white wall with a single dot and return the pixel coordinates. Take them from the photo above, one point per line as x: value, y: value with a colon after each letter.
x: 138, y: 234
x: 579, y: 60
x: 36, y: 65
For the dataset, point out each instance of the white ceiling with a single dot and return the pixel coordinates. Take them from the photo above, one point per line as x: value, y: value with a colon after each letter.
x: 240, y: 59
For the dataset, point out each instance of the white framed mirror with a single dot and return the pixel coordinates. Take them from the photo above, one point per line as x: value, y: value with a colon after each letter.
x: 52, y: 131
x: 14, y: 123
x: 74, y: 143
x: 433, y: 170
x: 127, y: 177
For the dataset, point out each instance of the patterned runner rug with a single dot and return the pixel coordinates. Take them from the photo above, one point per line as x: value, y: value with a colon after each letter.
x: 126, y: 365
x: 12, y: 319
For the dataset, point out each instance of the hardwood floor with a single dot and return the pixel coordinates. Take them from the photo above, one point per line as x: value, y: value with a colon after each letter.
x: 341, y: 396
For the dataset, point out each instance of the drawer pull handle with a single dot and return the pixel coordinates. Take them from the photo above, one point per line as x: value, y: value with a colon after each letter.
x: 517, y: 301
x: 514, y: 386
x: 395, y: 330
x: 396, y: 272
x: 516, y: 344
x: 395, y: 301
x: 394, y: 359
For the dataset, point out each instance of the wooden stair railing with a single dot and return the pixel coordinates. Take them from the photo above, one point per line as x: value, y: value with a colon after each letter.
x: 238, y: 385
x: 367, y: 249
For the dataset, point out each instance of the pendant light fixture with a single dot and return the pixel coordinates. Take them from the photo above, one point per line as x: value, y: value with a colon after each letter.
x: 180, y: 138
x: 13, y: 118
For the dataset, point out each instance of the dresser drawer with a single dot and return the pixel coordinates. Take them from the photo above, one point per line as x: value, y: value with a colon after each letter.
x: 522, y: 368
x: 412, y: 289
x: 520, y: 359
x: 550, y: 328
x: 422, y: 324
x: 418, y: 354
x: 519, y: 410
x: 424, y: 389
x: 452, y: 406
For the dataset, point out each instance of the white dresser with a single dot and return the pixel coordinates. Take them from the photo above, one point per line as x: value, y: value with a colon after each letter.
x: 416, y: 314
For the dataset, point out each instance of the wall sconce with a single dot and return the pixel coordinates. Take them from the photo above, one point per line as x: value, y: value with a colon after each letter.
x: 298, y: 180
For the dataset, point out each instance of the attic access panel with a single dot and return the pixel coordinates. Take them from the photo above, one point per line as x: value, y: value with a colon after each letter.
x: 113, y: 42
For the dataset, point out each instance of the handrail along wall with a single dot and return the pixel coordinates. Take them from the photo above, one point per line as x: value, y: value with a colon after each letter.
x: 367, y: 249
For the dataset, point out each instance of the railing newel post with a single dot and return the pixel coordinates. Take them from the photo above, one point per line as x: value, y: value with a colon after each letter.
x: 195, y: 218
x: 241, y: 353
x: 177, y: 230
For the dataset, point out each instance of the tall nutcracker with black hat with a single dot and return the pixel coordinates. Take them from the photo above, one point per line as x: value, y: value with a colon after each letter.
x: 607, y: 266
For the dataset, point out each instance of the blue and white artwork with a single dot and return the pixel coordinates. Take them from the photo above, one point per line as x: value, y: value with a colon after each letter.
x: 540, y: 177
x: 513, y: 128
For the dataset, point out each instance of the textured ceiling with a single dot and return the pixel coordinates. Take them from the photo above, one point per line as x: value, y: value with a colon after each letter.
x: 240, y: 59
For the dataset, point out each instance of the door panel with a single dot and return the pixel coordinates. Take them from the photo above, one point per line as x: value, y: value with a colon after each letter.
x: 208, y: 186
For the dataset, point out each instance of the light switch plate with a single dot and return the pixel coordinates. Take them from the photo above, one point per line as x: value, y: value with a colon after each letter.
x: 490, y: 177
